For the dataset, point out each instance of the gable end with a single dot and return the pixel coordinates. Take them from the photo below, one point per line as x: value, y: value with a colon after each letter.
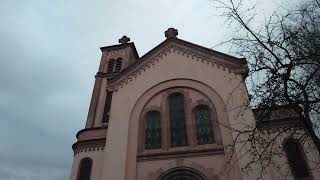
x: 232, y: 64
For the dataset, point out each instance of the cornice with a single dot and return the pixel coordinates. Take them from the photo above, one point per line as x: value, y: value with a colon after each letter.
x: 90, y: 129
x: 120, y: 47
x: 209, y: 51
x: 146, y: 63
x: 101, y: 75
x: 181, y: 153
x: 89, y: 145
x: 279, y: 125
x: 281, y: 129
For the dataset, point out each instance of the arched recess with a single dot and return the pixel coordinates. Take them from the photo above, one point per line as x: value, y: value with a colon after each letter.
x: 296, y: 158
x: 85, y: 168
x: 170, y: 167
x: 212, y: 95
x: 182, y: 173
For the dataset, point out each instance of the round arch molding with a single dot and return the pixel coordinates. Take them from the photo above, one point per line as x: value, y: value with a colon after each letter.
x: 182, y: 173
x: 133, y: 130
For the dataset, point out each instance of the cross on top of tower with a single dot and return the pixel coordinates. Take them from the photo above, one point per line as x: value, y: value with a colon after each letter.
x: 124, y: 40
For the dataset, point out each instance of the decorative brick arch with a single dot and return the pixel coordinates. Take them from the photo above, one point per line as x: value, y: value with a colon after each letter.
x: 162, y: 99
x: 212, y: 95
x: 185, y: 172
x: 195, y: 171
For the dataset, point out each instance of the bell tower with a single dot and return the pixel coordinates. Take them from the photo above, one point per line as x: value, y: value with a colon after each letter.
x: 114, y: 60
x: 89, y: 148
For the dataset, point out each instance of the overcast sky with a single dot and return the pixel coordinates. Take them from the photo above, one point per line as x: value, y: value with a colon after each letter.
x: 49, y: 54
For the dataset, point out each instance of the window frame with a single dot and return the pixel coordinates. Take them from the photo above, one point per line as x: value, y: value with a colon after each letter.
x: 212, y: 123
x: 146, y: 126
x: 185, y: 109
x: 162, y: 107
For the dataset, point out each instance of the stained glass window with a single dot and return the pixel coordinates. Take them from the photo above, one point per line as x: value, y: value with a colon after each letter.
x: 203, y: 125
x: 177, y: 120
x: 296, y: 160
x: 84, y: 171
x: 110, y: 66
x: 118, y: 65
x: 153, y: 130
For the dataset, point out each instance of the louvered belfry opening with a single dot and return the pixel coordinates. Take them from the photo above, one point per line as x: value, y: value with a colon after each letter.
x: 114, y: 66
x: 118, y: 65
x: 110, y: 66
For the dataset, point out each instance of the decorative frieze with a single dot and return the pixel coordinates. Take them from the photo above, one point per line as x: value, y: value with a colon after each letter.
x: 219, y: 150
x: 89, y: 145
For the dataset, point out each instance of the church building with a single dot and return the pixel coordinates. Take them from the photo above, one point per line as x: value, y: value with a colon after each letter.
x: 170, y: 115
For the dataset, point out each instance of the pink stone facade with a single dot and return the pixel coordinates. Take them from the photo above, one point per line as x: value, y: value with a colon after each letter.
x: 203, y: 76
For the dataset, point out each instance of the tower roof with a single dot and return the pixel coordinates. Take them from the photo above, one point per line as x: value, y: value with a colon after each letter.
x: 121, y: 46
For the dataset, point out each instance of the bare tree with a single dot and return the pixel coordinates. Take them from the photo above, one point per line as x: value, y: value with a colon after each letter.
x: 283, y: 55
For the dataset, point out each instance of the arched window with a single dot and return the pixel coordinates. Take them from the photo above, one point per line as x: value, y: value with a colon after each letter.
x: 107, y: 106
x: 84, y: 171
x: 203, y: 124
x: 118, y: 65
x: 295, y: 156
x: 153, y: 130
x: 110, y: 66
x: 177, y: 120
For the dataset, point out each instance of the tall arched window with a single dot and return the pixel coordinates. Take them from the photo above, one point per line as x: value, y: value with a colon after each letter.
x: 84, y: 171
x: 110, y: 66
x: 295, y: 156
x: 203, y: 124
x: 107, y: 106
x: 118, y: 65
x: 177, y: 120
x: 153, y: 130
